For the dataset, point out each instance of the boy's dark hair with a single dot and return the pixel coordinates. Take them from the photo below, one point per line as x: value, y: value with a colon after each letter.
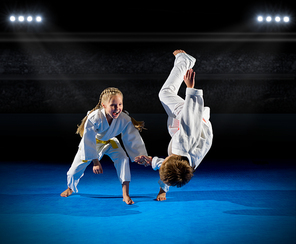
x: 176, y: 171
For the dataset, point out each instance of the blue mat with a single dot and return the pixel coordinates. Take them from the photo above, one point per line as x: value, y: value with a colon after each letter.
x: 225, y: 202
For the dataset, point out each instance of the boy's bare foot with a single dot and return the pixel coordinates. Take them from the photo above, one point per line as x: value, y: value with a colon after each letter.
x: 178, y: 51
x: 161, y: 195
x: 67, y: 192
x: 128, y: 200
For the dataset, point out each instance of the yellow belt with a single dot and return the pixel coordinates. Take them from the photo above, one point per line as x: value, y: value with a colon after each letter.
x: 112, y: 142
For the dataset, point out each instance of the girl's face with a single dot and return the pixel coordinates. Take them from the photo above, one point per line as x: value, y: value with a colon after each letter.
x: 113, y: 107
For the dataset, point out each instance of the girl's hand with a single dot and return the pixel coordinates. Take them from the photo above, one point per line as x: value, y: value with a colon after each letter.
x: 144, y: 160
x: 97, y: 168
x: 189, y: 78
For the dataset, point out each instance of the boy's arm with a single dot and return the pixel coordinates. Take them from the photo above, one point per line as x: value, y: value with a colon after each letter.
x: 189, y: 78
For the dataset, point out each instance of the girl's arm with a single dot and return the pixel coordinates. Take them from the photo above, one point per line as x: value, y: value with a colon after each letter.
x: 133, y: 142
x: 88, y: 142
x: 97, y: 168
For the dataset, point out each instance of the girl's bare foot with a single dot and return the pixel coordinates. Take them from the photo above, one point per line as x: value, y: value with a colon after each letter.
x: 67, y: 192
x: 125, y: 193
x: 161, y: 195
x: 128, y: 200
x: 178, y: 51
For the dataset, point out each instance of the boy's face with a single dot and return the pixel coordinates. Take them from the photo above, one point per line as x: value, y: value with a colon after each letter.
x: 113, y: 107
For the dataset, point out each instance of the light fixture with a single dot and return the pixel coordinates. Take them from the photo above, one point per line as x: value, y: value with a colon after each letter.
x: 286, y: 19
x: 12, y: 18
x: 260, y: 18
x: 38, y: 19
x: 275, y: 18
x: 21, y: 18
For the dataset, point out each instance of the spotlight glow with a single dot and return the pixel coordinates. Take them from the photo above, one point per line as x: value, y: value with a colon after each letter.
x: 29, y: 18
x: 286, y: 19
x: 38, y: 19
x: 277, y: 19
x: 21, y: 18
x: 12, y: 18
x: 260, y: 18
x: 268, y: 18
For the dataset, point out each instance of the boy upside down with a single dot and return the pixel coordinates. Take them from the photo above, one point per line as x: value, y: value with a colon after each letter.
x: 188, y: 125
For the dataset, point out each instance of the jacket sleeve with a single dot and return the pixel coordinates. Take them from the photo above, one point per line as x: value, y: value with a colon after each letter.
x: 156, y: 163
x: 190, y: 122
x: 87, y: 144
x: 133, y: 142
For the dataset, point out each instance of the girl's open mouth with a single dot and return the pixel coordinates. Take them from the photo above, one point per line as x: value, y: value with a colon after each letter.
x: 116, y: 113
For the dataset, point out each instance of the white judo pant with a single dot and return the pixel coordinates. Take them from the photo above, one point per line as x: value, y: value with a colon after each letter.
x: 168, y: 94
x: 117, y: 155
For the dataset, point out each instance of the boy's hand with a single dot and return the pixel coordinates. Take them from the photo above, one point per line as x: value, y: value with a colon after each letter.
x: 189, y: 78
x: 144, y: 160
x: 97, y: 168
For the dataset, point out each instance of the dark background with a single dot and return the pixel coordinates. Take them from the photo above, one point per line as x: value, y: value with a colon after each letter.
x: 53, y: 73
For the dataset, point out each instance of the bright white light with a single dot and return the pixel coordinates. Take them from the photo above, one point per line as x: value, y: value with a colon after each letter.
x: 38, y: 19
x: 286, y: 19
x: 21, y: 18
x: 29, y: 19
x: 12, y: 18
x: 277, y: 19
x: 268, y: 19
x: 260, y: 18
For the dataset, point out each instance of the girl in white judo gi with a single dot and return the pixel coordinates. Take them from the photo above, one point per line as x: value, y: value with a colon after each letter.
x: 188, y: 125
x: 98, y: 130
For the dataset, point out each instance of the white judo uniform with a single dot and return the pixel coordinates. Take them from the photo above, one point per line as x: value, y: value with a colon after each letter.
x: 99, y: 139
x: 188, y: 120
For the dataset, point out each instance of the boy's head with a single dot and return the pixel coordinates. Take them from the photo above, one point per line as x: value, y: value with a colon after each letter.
x: 175, y: 171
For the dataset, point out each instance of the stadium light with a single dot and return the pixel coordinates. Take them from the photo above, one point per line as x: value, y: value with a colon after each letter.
x: 27, y: 18
x: 286, y: 19
x: 276, y: 18
x: 268, y: 18
x: 260, y: 18
x: 21, y: 18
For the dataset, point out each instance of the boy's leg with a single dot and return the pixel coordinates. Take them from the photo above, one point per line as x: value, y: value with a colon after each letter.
x: 168, y: 93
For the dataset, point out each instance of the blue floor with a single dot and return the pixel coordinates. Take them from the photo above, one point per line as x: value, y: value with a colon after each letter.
x: 226, y: 202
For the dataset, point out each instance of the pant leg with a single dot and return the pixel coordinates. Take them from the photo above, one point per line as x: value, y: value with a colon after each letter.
x: 121, y: 162
x: 168, y: 93
x: 76, y: 171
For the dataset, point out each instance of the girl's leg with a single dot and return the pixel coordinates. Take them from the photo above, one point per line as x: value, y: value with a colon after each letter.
x: 125, y: 193
x: 168, y: 93
x: 74, y: 174
x: 121, y: 163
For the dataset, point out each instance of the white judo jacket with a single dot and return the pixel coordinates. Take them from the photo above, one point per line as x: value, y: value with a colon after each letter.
x: 97, y: 127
